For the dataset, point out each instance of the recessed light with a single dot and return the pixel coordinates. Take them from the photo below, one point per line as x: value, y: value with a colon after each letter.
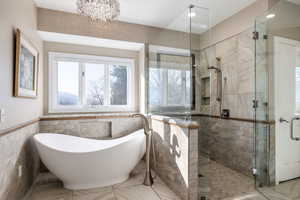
x: 270, y: 16
x: 192, y: 14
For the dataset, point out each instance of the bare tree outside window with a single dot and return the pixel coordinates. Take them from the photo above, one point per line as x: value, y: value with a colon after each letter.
x: 95, y: 84
x: 118, y: 85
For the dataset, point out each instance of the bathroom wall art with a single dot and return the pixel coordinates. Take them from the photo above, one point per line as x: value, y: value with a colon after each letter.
x: 26, y: 67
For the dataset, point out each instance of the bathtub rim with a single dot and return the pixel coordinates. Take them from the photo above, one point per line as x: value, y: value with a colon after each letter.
x: 129, y: 136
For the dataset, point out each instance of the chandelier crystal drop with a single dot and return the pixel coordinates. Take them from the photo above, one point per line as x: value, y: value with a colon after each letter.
x: 102, y: 10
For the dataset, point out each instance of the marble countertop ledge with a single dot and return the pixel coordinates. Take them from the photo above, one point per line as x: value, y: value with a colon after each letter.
x: 175, y: 121
x: 86, y: 116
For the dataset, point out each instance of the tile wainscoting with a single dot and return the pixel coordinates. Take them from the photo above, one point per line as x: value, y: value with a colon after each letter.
x: 176, y: 150
x: 17, y: 149
x: 91, y: 126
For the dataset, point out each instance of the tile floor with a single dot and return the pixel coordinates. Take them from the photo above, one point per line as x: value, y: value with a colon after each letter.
x: 289, y: 190
x: 219, y: 182
x: 132, y: 189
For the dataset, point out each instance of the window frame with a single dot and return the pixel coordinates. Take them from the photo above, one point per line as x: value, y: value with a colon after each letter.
x: 165, y: 105
x: 54, y: 107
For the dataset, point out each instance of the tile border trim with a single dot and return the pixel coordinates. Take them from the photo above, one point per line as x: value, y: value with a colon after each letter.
x: 19, y: 126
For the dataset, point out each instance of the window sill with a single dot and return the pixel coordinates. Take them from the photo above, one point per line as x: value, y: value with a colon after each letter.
x: 66, y: 116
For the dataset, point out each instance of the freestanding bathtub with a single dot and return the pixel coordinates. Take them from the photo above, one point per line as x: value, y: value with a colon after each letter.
x: 87, y: 163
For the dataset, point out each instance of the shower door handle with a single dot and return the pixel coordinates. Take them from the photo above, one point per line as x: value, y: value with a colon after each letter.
x: 292, y: 129
x: 281, y: 120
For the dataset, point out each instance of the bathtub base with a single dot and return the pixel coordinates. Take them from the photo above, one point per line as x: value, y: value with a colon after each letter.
x: 95, y: 185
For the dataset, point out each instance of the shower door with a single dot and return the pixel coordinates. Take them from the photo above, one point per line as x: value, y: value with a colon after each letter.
x: 262, y: 125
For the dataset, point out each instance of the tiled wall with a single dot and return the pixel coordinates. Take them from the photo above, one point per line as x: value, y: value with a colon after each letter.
x: 176, y: 151
x: 237, y: 64
x: 229, y: 142
x: 17, y: 149
x: 92, y: 128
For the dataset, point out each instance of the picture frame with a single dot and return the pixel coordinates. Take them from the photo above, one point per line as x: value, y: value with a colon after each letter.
x: 26, y: 67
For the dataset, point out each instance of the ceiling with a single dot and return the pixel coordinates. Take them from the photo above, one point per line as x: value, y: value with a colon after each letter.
x: 165, y: 13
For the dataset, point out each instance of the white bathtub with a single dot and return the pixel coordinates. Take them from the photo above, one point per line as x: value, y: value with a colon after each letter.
x: 87, y: 163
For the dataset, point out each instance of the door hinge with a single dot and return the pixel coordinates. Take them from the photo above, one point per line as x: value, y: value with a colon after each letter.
x: 82, y: 73
x: 255, y: 35
x: 255, y: 104
x: 266, y: 37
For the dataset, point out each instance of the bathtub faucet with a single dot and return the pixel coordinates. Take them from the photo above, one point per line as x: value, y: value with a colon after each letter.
x: 146, y: 122
x: 148, y: 181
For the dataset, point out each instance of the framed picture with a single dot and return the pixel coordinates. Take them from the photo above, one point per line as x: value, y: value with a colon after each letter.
x: 26, y: 68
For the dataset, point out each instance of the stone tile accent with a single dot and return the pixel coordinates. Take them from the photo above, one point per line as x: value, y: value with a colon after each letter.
x: 92, y: 128
x: 17, y: 149
x: 177, y: 158
x: 237, y: 65
x: 228, y: 142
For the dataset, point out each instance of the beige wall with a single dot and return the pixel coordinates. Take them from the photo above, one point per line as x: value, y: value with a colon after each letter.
x: 88, y: 50
x: 69, y: 23
x: 23, y: 15
x: 235, y: 24
x: 16, y: 147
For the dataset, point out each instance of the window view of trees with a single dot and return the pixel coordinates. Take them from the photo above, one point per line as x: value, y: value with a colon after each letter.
x: 95, y: 84
x: 104, y: 84
x: 169, y: 87
x: 118, y: 85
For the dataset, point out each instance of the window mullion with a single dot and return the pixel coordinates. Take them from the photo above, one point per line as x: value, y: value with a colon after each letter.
x: 107, y: 86
x: 165, y: 88
x: 81, y: 83
x: 183, y: 87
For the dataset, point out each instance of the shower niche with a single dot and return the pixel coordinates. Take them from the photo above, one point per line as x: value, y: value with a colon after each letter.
x: 205, y: 90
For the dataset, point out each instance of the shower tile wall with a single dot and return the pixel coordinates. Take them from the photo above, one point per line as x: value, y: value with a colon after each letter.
x: 17, y: 150
x: 237, y: 64
x: 229, y: 142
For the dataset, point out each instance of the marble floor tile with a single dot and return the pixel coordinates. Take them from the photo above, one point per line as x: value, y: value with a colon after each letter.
x: 50, y: 192
x: 219, y: 182
x: 105, y: 193
x: 250, y: 196
x: 139, y: 192
x: 289, y: 190
x: 132, y: 189
x: 163, y: 191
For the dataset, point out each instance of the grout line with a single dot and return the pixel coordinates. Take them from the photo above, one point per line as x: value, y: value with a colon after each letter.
x: 156, y: 192
x: 114, y: 194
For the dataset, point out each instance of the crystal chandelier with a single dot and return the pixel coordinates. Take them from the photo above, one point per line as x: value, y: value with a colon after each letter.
x: 102, y: 10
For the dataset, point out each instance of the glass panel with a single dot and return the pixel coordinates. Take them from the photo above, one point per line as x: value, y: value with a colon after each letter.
x: 261, y: 131
x: 276, y: 92
x: 118, y: 85
x: 297, y: 74
x: 95, y: 84
x: 155, y: 89
x: 68, y: 83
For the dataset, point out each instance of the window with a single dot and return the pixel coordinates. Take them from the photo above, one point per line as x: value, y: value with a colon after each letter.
x: 169, y: 82
x: 80, y: 83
